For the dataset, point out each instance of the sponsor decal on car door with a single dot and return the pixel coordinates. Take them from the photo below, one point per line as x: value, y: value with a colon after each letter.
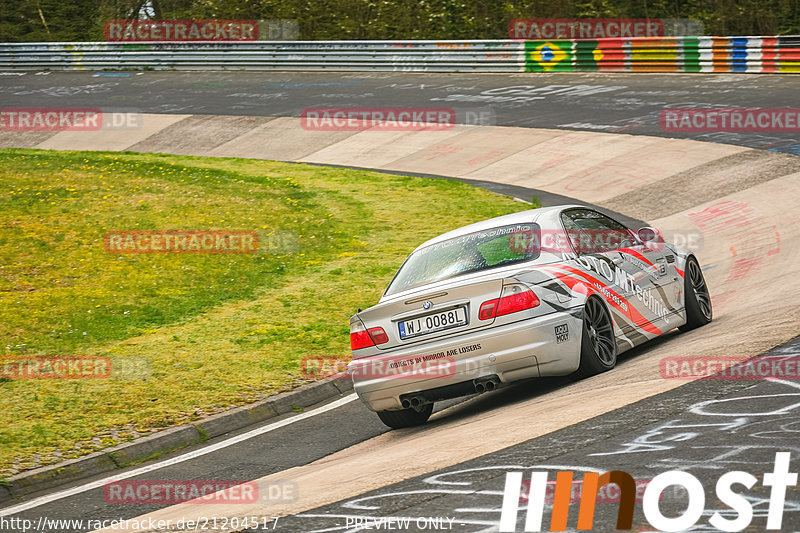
x: 632, y: 268
x: 653, y: 291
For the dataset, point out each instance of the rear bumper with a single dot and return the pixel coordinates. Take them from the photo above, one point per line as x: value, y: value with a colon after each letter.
x: 544, y: 345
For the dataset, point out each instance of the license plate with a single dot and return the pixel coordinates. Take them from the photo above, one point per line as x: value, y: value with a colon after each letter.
x: 452, y: 318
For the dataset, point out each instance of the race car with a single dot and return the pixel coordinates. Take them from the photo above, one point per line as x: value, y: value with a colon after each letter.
x: 546, y: 292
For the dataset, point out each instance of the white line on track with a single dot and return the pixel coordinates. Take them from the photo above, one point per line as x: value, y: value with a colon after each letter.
x: 784, y: 382
x: 175, y: 460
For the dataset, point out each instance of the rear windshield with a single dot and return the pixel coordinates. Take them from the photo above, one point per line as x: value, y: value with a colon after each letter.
x: 473, y: 252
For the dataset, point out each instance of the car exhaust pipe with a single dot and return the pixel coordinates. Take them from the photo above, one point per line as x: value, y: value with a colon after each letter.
x: 414, y: 402
x: 487, y: 384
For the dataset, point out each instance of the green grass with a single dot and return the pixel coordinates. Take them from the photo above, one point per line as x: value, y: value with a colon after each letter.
x: 190, y: 334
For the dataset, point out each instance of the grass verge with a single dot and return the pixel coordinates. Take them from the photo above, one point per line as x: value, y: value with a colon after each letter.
x: 189, y: 334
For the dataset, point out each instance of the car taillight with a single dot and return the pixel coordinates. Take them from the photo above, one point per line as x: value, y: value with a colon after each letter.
x: 514, y: 298
x: 378, y: 335
x: 488, y: 309
x: 361, y: 337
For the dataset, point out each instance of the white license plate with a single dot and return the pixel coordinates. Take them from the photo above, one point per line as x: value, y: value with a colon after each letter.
x: 452, y: 318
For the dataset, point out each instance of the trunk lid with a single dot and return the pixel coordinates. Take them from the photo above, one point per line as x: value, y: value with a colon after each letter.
x: 426, y: 315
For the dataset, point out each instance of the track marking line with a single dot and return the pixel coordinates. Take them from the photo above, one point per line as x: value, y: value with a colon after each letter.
x: 784, y: 382
x: 175, y: 460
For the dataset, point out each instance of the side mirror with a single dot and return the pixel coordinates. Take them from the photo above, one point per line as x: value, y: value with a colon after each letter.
x: 650, y: 236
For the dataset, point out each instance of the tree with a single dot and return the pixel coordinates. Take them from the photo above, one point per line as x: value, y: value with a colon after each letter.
x: 82, y: 20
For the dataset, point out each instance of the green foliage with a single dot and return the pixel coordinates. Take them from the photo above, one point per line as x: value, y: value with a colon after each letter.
x: 82, y: 20
x: 48, y: 20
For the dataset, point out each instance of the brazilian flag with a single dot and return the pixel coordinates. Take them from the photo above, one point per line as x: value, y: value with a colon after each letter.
x: 549, y: 56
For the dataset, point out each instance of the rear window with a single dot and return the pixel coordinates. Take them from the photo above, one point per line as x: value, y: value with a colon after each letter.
x: 473, y: 252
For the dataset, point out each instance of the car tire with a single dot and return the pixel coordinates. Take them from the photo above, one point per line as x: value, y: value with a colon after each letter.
x: 598, y: 342
x: 406, y: 418
x: 696, y: 296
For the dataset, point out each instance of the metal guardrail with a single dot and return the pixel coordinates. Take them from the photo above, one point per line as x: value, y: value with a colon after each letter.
x: 642, y: 54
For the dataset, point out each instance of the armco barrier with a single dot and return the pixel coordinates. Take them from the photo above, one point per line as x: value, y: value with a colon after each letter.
x: 446, y: 56
x: 644, y: 54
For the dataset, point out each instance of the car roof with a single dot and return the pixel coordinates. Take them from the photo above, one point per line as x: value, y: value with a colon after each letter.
x: 544, y: 216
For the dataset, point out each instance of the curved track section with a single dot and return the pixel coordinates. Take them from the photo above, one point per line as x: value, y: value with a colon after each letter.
x: 741, y: 202
x: 599, y: 101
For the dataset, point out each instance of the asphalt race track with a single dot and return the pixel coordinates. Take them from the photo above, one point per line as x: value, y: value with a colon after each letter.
x: 614, y: 103
x: 705, y: 428
x: 450, y: 474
